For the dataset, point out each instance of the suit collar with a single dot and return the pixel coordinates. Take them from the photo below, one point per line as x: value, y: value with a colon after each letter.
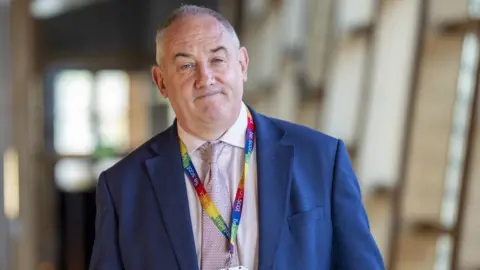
x: 274, y: 161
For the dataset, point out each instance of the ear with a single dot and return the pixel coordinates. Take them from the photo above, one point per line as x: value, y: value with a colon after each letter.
x: 244, y: 62
x: 157, y: 77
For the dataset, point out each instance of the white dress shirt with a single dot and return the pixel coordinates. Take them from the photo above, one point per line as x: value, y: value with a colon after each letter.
x: 231, y: 164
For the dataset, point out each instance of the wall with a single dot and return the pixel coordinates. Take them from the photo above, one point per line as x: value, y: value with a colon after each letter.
x: 5, y: 107
x: 470, y: 237
x: 381, y: 145
x: 343, y: 96
x: 431, y: 128
x: 355, y: 13
x: 448, y: 11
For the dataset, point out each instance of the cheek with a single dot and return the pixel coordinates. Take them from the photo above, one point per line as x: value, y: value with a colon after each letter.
x: 230, y: 78
x: 181, y: 89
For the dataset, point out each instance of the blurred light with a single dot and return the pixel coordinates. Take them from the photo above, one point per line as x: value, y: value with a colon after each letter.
x: 73, y: 127
x: 112, y: 94
x: 73, y: 175
x: 444, y: 248
x: 102, y: 165
x: 474, y: 9
x: 256, y: 7
x: 459, y: 133
x: 11, y: 184
x: 43, y: 9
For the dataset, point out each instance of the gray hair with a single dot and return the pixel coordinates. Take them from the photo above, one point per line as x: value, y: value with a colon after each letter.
x: 190, y: 10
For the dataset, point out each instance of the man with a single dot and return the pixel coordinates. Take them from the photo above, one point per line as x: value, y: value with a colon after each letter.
x: 224, y: 186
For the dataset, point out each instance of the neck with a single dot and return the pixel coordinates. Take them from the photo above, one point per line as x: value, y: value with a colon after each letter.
x: 207, y: 132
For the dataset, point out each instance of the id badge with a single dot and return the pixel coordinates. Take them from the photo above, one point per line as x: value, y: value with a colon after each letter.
x: 235, y: 268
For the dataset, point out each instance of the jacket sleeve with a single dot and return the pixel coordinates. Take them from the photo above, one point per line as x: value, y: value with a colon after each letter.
x: 354, y: 247
x: 106, y: 252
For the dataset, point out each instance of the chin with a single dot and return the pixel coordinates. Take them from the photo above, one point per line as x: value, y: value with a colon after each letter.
x: 216, y: 108
x: 216, y: 112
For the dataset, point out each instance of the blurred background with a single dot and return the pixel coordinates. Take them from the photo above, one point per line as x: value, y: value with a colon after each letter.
x: 397, y: 80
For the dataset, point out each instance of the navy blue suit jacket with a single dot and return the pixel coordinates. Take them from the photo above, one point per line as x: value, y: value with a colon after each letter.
x: 310, y: 211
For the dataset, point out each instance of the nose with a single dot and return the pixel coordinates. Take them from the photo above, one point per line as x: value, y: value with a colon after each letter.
x: 204, y: 76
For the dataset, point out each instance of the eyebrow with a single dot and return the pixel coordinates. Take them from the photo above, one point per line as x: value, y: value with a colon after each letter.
x: 187, y: 55
x: 181, y: 54
x: 219, y: 48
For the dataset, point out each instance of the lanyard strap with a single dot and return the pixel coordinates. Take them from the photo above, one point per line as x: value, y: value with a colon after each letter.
x: 205, y: 200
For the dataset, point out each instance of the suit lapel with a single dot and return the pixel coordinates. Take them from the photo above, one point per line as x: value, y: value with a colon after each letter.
x: 274, y: 160
x: 167, y: 178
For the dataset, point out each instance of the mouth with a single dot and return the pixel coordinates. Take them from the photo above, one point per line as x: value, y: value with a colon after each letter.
x: 209, y: 95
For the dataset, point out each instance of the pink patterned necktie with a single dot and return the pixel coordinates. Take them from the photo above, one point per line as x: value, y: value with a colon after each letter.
x: 215, y: 246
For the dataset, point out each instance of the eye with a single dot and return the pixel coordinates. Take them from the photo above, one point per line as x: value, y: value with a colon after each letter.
x: 217, y: 60
x: 186, y: 66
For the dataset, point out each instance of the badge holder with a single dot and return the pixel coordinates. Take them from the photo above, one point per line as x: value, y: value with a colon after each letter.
x: 230, y: 267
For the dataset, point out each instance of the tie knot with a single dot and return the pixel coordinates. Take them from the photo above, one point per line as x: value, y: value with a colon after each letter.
x: 211, y: 150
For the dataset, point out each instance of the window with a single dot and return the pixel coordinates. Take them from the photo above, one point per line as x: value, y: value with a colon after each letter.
x: 90, y: 125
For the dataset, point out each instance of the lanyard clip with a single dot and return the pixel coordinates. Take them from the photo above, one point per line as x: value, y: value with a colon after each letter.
x: 229, y: 262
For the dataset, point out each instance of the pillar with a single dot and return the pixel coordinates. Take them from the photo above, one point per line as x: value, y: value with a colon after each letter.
x: 5, y: 122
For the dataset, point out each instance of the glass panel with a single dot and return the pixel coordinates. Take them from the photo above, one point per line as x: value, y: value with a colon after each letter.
x: 72, y: 119
x: 457, y: 145
x: 74, y: 175
x: 112, y: 107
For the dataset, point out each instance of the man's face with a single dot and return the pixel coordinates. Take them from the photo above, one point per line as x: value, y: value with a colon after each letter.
x: 202, y: 72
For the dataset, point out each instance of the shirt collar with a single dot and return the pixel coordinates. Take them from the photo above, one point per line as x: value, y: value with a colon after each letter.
x: 234, y: 136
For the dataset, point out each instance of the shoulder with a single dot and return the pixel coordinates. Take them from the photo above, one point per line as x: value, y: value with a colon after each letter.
x: 309, y: 145
x: 133, y: 162
x: 300, y: 135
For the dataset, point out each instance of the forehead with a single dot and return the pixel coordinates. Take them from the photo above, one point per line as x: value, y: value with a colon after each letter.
x: 195, y: 31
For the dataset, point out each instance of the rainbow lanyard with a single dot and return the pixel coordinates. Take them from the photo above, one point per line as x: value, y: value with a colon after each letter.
x: 205, y: 200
